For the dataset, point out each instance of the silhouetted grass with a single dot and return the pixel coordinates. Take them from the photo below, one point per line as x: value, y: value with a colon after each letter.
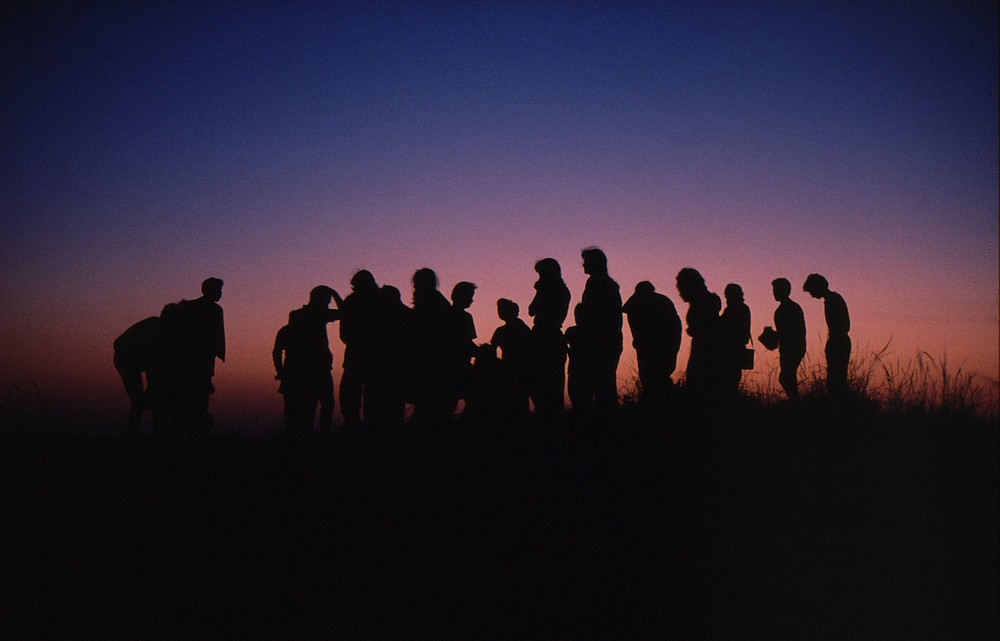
x: 30, y: 410
x: 923, y: 385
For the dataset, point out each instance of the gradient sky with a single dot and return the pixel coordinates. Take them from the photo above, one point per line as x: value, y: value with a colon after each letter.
x: 284, y: 145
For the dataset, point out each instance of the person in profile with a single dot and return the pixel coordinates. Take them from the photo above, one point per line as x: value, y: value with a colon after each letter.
x: 361, y: 332
x: 703, y: 369
x: 735, y: 332
x: 601, y: 321
x: 200, y: 335
x: 548, y: 308
x: 513, y: 340
x: 432, y: 323
x: 788, y: 336
x: 656, y: 337
x: 838, y: 342
x: 138, y: 351
x: 303, y: 363
x: 462, y: 346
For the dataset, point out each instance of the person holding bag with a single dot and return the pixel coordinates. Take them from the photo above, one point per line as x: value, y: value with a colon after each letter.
x: 788, y: 336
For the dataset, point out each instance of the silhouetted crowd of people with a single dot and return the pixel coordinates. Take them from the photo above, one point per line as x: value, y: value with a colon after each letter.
x: 425, y: 355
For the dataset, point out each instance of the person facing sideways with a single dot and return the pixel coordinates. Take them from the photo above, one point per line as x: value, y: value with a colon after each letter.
x: 656, y: 337
x: 462, y: 346
x: 513, y: 339
x: 361, y: 333
x: 548, y: 308
x: 432, y: 338
x: 789, y: 334
x: 601, y: 321
x: 138, y: 351
x: 196, y: 331
x: 703, y: 370
x: 735, y: 330
x: 303, y: 363
x: 838, y: 324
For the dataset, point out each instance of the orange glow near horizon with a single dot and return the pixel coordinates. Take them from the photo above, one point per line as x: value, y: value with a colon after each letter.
x: 72, y: 361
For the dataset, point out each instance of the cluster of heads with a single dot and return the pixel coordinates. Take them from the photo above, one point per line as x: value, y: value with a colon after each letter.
x: 691, y: 285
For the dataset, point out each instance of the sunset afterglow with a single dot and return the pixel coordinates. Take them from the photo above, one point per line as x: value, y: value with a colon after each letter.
x: 282, y: 147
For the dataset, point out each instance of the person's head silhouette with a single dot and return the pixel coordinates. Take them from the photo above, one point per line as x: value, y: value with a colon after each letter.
x: 391, y: 295
x: 548, y: 269
x: 644, y: 288
x: 816, y: 286
x: 507, y: 310
x: 363, y: 281
x: 211, y: 288
x: 690, y: 284
x: 320, y: 296
x: 594, y: 261
x: 781, y: 288
x: 424, y: 279
x: 462, y: 294
x: 733, y: 293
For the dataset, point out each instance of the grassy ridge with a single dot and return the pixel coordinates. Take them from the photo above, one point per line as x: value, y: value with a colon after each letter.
x: 755, y: 521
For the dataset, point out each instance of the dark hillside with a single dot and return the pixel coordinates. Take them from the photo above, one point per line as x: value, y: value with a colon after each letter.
x: 763, y: 523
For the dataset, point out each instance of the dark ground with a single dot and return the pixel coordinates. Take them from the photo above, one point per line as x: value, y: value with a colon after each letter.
x: 765, y: 523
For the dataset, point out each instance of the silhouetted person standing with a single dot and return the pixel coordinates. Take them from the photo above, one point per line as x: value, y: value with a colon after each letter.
x: 138, y: 351
x: 600, y: 319
x: 513, y: 339
x: 703, y: 370
x: 790, y: 330
x: 462, y: 346
x: 432, y: 338
x: 735, y: 332
x: 656, y: 337
x: 392, y: 369
x: 548, y: 308
x: 838, y: 324
x: 201, y: 339
x: 579, y: 368
x: 361, y: 331
x: 286, y: 346
x: 306, y: 370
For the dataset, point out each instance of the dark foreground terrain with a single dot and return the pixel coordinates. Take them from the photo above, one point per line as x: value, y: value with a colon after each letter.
x: 763, y: 523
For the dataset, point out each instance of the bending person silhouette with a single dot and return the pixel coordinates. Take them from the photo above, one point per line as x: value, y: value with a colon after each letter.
x: 600, y: 320
x: 303, y: 363
x: 138, y: 351
x: 838, y: 325
x: 361, y: 332
x: 703, y: 370
x: 735, y: 330
x: 656, y: 337
x: 790, y: 333
x: 548, y: 308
